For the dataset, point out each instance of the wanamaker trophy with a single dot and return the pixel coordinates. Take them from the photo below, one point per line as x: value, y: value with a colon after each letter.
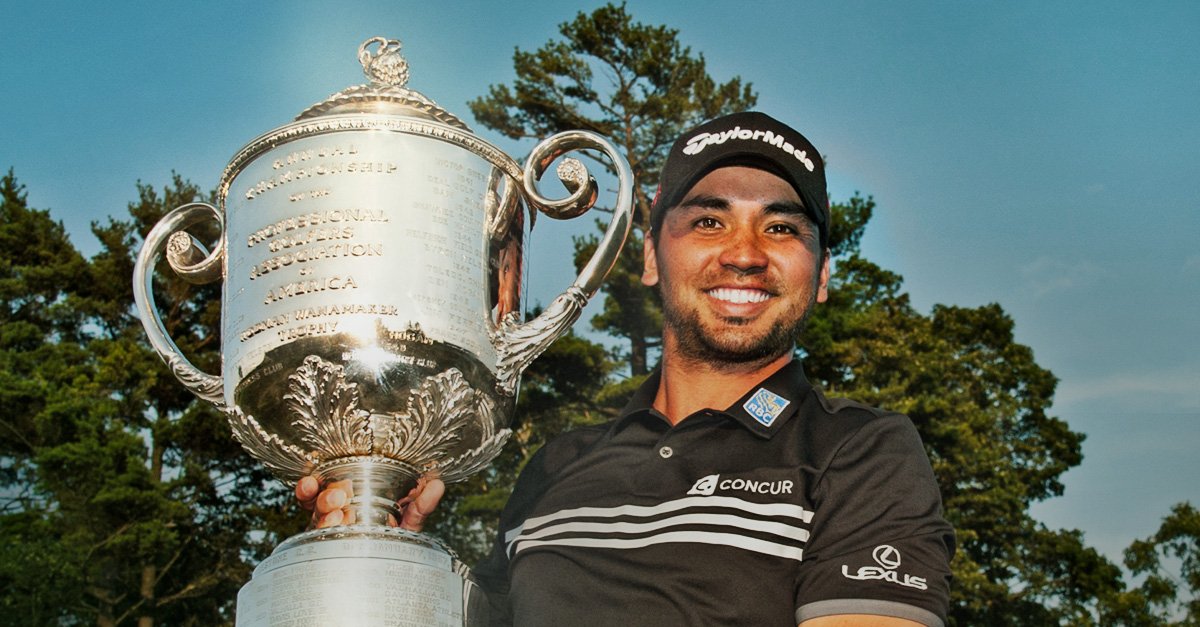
x: 372, y: 254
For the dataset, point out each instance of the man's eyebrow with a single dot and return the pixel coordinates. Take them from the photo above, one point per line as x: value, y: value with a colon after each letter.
x: 705, y: 201
x: 786, y: 206
x: 718, y: 203
x: 790, y: 208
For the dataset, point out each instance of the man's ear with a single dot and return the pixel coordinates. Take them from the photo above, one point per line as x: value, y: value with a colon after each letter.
x: 649, y: 262
x: 823, y: 279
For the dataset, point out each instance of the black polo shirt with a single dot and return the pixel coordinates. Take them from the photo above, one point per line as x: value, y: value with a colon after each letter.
x: 783, y: 507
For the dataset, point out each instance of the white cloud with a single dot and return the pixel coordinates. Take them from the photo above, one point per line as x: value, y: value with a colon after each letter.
x: 1046, y: 274
x: 1171, y: 390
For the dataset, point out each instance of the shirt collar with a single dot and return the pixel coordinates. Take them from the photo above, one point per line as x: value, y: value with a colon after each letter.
x: 763, y: 409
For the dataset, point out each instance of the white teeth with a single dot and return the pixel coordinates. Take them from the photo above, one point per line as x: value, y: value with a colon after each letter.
x: 739, y: 296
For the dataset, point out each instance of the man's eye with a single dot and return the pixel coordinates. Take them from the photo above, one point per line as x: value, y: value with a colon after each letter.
x: 783, y: 229
x: 707, y: 223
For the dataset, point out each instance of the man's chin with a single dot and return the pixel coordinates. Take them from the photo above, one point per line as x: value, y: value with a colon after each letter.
x: 722, y: 349
x: 735, y: 341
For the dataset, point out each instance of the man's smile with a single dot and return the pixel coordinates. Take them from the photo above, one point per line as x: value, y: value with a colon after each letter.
x: 738, y: 296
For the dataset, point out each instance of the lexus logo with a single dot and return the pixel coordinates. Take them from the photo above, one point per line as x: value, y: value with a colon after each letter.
x: 886, y: 556
x: 888, y: 559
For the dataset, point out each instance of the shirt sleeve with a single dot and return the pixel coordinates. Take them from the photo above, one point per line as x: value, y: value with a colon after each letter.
x: 492, y: 572
x: 492, y: 576
x: 879, y: 544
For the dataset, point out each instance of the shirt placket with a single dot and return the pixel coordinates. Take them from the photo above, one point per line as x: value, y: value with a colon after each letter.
x: 669, y: 455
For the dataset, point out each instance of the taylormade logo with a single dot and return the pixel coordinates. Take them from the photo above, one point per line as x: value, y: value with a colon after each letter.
x: 704, y: 140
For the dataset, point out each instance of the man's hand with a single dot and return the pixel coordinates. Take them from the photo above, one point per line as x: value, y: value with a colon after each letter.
x: 420, y: 503
x: 329, y: 504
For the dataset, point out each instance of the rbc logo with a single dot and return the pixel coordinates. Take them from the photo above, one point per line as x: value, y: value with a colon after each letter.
x: 765, y: 406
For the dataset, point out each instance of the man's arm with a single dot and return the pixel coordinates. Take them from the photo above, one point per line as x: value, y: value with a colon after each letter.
x: 879, y: 544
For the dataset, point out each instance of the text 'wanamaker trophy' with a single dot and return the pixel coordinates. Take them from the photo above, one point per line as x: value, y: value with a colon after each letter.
x: 372, y: 257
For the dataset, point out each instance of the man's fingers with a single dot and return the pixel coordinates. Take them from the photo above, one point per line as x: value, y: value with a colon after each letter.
x: 330, y: 502
x: 306, y: 491
x: 335, y: 496
x: 430, y: 496
x: 331, y: 499
x: 332, y: 519
x: 421, y: 504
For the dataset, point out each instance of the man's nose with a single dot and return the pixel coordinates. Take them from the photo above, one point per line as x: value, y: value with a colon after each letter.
x: 743, y: 253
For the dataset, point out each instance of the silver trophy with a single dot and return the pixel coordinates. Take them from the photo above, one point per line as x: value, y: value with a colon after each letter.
x: 372, y: 258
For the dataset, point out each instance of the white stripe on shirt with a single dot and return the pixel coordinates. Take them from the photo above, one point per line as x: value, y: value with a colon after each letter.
x: 702, y: 537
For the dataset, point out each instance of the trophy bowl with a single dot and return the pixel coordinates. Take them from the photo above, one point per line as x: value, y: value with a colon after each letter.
x: 372, y: 256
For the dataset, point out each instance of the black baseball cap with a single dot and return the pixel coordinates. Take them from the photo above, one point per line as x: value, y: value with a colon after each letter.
x: 752, y: 139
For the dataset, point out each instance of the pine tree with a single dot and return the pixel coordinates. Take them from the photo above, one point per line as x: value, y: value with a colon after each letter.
x: 121, y: 510
x: 637, y: 85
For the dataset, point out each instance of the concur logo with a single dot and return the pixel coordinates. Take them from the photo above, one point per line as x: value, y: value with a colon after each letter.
x: 707, y: 486
x: 888, y: 558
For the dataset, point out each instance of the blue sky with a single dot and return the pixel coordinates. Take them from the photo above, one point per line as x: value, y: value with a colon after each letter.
x: 1038, y: 155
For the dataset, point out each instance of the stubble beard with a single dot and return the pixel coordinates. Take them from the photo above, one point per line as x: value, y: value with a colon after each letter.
x: 721, y: 349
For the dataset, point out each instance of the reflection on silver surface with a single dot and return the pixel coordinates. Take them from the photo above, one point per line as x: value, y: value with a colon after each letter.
x: 372, y: 257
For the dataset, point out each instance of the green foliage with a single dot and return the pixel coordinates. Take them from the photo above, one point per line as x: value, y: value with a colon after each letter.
x: 637, y: 85
x: 980, y: 401
x: 116, y: 480
x: 126, y: 500
x: 651, y: 88
x: 978, y: 397
x: 1169, y: 561
x: 630, y: 310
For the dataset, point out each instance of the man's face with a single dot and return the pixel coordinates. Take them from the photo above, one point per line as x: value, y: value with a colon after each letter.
x: 739, y: 266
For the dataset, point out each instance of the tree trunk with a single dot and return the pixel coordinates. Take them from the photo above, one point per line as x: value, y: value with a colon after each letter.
x: 637, y: 354
x: 149, y: 573
x: 150, y: 570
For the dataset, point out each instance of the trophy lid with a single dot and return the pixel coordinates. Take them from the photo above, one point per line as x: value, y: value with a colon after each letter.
x: 386, y: 93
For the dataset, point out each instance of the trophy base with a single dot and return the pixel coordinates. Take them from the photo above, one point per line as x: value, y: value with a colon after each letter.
x: 356, y: 576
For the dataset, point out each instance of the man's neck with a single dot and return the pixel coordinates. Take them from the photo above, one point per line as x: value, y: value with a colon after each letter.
x: 688, y: 386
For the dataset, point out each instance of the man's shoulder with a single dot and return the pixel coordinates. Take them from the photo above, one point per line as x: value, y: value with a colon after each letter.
x: 835, y: 420
x: 850, y: 413
x: 547, y: 463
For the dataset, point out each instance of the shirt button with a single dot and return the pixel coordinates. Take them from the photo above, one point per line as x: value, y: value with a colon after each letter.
x: 665, y: 452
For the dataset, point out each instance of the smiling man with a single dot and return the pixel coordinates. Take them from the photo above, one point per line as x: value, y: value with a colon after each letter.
x: 729, y: 491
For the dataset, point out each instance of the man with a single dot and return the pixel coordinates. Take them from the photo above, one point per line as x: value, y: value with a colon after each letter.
x: 729, y: 491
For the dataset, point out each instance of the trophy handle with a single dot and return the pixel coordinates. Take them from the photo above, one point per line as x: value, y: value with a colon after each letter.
x: 194, y: 264
x: 519, y: 344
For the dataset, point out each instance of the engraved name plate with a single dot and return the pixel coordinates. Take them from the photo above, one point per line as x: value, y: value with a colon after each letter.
x: 384, y: 579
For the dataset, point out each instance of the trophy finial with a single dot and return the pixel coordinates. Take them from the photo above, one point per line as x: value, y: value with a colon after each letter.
x: 386, y: 91
x: 385, y: 66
